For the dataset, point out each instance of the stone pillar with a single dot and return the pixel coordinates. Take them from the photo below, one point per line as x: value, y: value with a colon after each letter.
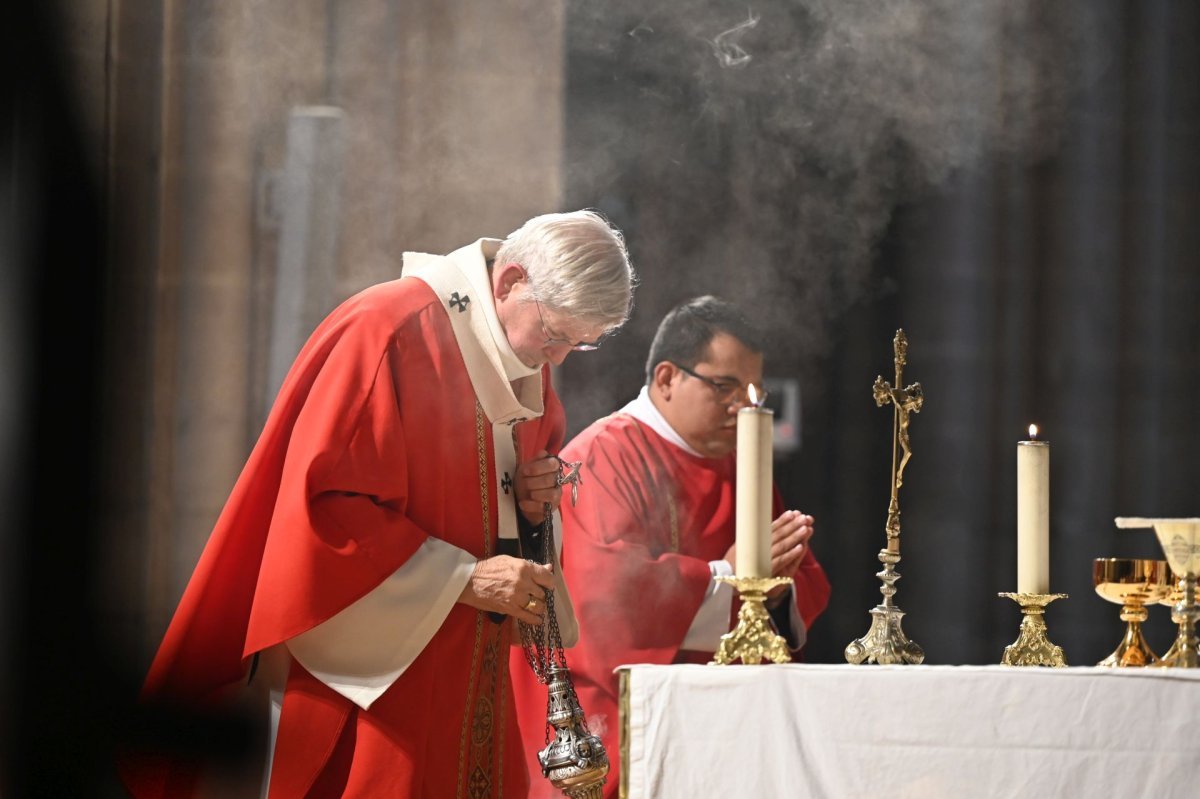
x: 453, y: 126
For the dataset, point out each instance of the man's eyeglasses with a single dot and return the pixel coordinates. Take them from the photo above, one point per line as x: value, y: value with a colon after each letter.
x: 553, y: 341
x: 726, y: 392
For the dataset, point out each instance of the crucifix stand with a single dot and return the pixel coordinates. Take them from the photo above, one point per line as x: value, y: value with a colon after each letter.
x: 886, y: 642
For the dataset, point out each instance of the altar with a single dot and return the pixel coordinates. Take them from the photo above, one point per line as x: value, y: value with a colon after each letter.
x: 965, y: 732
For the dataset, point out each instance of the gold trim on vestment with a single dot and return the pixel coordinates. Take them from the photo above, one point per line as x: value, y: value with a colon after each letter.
x: 505, y: 644
x: 623, y: 731
x: 480, y: 783
x: 484, y: 494
x: 481, y: 449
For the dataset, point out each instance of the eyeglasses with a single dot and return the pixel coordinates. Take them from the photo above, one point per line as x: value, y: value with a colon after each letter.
x: 554, y: 341
x: 727, y: 393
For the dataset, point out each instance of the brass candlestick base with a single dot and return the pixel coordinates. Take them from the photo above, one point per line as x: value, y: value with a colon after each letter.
x: 885, y: 643
x: 1032, y: 647
x: 753, y: 640
x: 1131, y: 583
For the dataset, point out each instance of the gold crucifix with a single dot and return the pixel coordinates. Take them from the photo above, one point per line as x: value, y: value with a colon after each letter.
x: 886, y: 642
x: 905, y: 401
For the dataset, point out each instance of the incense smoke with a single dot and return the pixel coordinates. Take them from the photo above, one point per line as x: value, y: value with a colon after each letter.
x: 769, y: 173
x: 725, y: 47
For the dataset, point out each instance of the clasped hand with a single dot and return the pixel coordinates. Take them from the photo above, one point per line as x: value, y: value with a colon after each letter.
x: 515, y: 586
x: 790, y: 534
x: 536, y: 485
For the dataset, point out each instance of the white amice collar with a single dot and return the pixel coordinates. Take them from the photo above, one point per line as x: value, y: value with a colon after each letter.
x: 508, y: 390
x: 642, y: 408
x: 460, y: 281
x: 481, y: 283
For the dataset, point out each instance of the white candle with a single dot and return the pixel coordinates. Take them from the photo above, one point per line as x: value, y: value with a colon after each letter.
x: 754, y: 431
x: 1033, y: 515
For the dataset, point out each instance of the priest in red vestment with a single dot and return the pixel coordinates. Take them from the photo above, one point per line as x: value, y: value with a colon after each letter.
x: 358, y: 572
x: 655, y: 521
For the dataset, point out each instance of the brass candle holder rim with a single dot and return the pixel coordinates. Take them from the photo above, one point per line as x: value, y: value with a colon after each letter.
x: 1036, y: 600
x: 752, y: 583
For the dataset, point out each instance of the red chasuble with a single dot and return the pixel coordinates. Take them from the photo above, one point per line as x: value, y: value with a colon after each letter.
x: 635, y: 556
x: 375, y: 443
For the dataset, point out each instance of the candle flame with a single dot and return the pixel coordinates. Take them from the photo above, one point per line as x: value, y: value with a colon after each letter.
x: 752, y: 393
x: 1033, y: 431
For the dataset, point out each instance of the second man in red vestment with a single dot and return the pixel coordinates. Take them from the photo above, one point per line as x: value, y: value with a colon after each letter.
x: 655, y: 522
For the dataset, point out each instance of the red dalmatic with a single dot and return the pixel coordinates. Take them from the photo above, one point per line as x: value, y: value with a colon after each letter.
x: 636, y: 550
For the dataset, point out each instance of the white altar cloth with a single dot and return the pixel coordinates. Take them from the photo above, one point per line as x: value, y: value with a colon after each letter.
x: 963, y: 732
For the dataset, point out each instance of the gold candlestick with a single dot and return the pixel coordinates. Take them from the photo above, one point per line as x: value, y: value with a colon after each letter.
x: 752, y: 640
x: 1032, y: 647
x: 886, y: 642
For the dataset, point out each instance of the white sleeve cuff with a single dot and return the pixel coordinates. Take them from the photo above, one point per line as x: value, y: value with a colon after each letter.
x: 712, y: 619
x: 363, y: 649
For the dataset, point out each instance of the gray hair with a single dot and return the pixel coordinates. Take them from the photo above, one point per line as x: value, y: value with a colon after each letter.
x: 577, y: 265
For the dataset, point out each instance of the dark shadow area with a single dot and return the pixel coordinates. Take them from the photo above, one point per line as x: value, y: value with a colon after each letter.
x: 59, y: 679
x: 67, y: 690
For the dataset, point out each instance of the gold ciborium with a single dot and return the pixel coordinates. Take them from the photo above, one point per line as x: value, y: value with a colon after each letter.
x: 1132, y: 584
x: 1180, y: 540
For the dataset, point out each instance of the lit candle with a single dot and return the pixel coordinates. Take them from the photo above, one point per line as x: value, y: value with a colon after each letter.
x: 754, y: 429
x: 1033, y: 515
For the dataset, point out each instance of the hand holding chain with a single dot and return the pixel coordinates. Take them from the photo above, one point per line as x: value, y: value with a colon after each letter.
x: 575, y: 761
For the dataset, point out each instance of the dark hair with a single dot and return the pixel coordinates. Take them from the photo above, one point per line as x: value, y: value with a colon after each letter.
x: 685, y: 332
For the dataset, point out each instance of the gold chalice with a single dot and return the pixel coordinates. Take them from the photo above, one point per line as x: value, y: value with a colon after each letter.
x: 1180, y: 540
x: 1133, y: 584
